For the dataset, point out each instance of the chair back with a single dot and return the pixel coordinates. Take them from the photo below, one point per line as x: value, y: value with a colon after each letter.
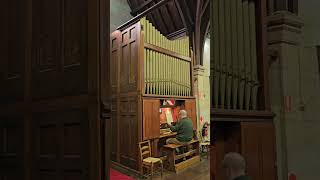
x: 144, y: 149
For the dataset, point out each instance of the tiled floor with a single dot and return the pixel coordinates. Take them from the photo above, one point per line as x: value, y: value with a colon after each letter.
x: 199, y: 171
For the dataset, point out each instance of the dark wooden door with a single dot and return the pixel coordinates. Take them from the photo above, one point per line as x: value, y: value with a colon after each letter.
x: 51, y: 90
x: 151, y: 118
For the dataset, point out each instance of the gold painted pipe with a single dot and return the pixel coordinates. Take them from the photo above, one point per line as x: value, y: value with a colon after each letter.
x: 145, y: 70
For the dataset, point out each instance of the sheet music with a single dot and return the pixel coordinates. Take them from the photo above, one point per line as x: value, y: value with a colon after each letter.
x: 169, y: 116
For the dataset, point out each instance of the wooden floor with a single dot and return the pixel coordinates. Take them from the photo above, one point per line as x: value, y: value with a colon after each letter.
x: 200, y: 171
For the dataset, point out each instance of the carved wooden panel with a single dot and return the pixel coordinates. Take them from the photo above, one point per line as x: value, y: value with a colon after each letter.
x: 151, y: 118
x: 12, y: 51
x: 60, y: 145
x: 75, y: 54
x: 46, y: 52
x: 114, y: 61
x: 60, y: 51
x: 128, y: 122
x: 129, y: 59
x: 114, y: 129
x: 11, y: 148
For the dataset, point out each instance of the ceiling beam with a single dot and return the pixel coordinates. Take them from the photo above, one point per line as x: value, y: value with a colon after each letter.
x: 188, y: 12
x: 138, y: 9
x: 180, y: 33
x: 204, y: 7
x: 181, y: 13
x: 144, y: 13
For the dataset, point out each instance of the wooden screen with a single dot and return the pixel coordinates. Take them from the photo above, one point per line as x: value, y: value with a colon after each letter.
x: 114, y: 78
x: 125, y: 86
x: 12, y: 51
x: 151, y: 118
x: 50, y: 92
x: 190, y: 107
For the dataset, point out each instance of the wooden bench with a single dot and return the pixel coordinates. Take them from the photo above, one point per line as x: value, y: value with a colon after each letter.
x: 178, y: 162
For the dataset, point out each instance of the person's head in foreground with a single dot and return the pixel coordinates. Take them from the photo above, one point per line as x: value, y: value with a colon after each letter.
x: 234, y: 166
x: 183, y: 114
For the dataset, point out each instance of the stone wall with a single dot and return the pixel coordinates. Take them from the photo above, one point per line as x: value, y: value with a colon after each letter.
x: 294, y: 90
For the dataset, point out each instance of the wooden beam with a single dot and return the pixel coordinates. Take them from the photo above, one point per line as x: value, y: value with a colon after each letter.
x: 144, y: 13
x: 167, y: 52
x: 181, y: 13
x: 197, y: 32
x: 140, y: 7
x: 177, y: 34
x: 160, y: 21
x: 188, y: 12
x: 205, y: 6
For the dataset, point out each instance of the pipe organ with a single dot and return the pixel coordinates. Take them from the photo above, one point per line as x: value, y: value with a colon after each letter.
x: 167, y: 64
x: 234, y: 60
x: 147, y: 69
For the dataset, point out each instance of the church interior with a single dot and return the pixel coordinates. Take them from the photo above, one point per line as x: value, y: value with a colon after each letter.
x: 90, y: 89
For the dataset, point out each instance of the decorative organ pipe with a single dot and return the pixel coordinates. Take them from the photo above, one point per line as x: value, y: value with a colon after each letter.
x: 234, y: 72
x: 165, y: 73
x: 247, y: 52
x: 253, y: 45
x: 229, y: 73
x: 216, y: 71
x: 235, y: 62
x: 222, y: 48
x: 241, y: 54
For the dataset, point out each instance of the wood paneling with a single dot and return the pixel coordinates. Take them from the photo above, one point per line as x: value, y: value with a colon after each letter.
x: 128, y: 131
x: 259, y: 149
x: 59, y: 59
x: 190, y: 107
x: 60, y: 145
x: 151, y: 118
x: 129, y: 59
x: 11, y: 148
x: 254, y: 140
x: 12, y: 51
x: 50, y: 126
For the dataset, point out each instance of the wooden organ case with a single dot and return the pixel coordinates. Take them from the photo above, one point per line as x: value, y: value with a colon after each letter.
x: 146, y: 69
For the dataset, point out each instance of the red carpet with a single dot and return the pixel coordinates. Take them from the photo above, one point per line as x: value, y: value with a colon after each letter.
x: 116, y: 175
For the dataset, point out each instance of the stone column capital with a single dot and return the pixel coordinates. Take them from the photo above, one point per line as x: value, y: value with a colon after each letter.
x: 284, y: 27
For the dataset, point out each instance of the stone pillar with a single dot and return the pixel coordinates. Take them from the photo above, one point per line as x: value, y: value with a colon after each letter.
x: 288, y: 77
x: 202, y: 89
x: 202, y: 94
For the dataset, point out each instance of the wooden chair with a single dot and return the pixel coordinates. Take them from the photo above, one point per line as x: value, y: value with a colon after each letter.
x: 146, y: 160
x: 204, y: 145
